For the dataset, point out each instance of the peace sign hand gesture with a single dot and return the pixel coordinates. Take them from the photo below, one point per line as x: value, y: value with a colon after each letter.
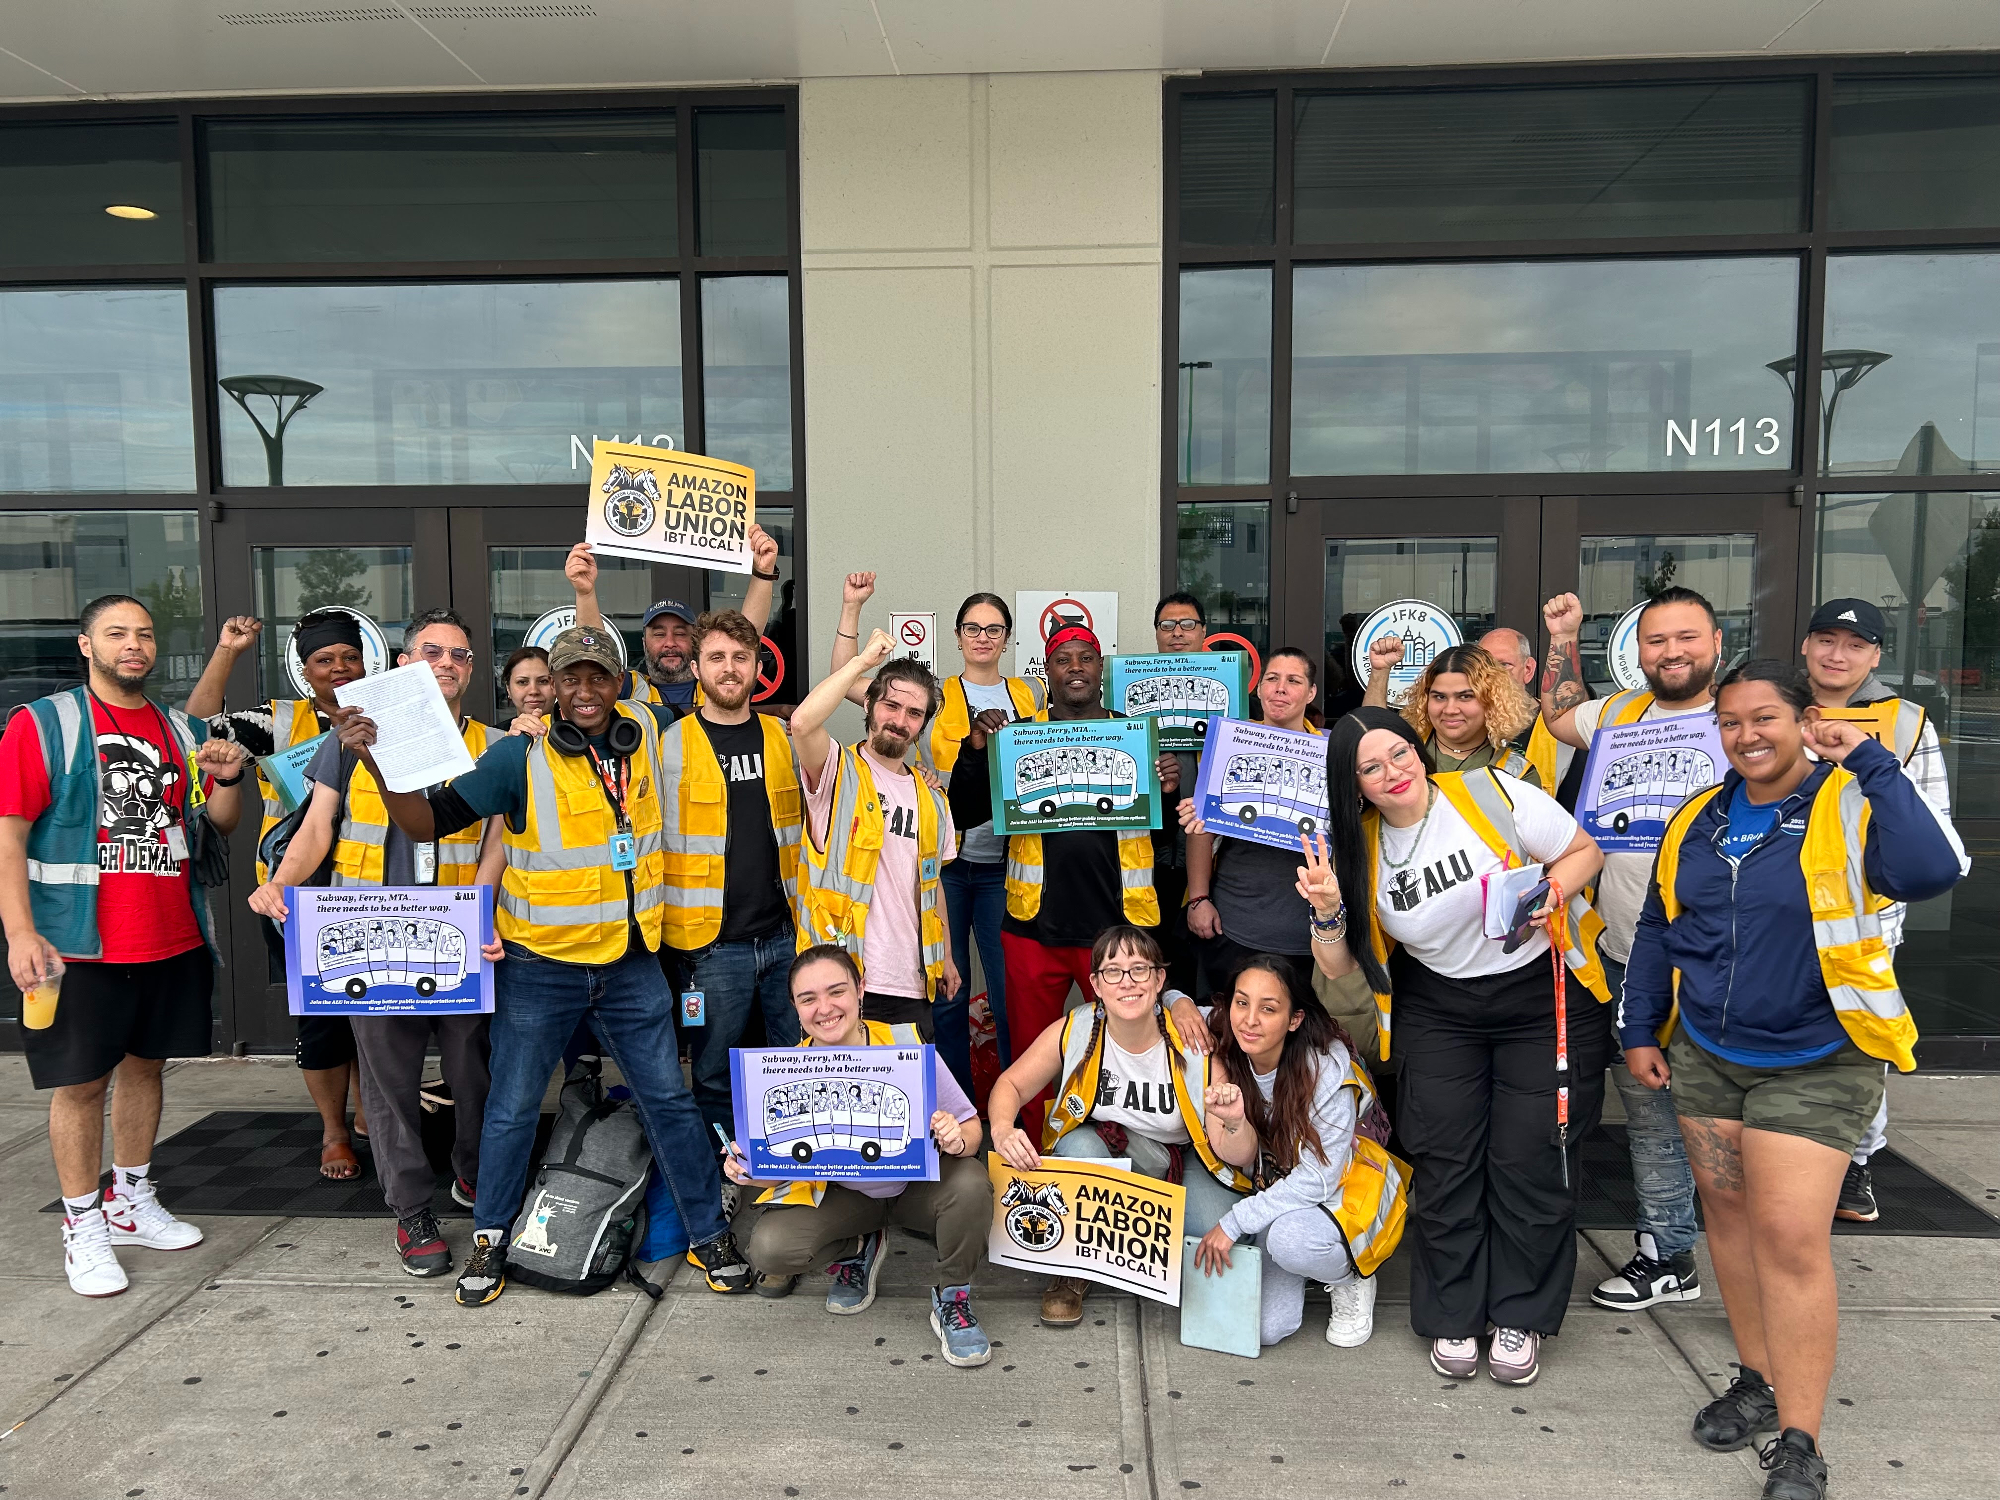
x: 1316, y: 881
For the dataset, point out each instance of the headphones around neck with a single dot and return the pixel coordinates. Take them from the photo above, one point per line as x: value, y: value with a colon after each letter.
x: 623, y: 737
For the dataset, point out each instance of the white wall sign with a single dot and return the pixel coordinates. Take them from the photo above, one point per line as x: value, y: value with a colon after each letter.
x: 374, y: 650
x: 1621, y: 649
x: 1039, y: 613
x: 1426, y: 630
x: 915, y: 635
x: 556, y: 621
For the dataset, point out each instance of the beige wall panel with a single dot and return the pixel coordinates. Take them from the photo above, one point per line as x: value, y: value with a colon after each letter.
x: 1075, y: 160
x: 885, y: 164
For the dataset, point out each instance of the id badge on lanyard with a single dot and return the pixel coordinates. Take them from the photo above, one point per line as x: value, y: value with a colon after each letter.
x: 624, y: 847
x: 424, y: 862
x: 624, y: 852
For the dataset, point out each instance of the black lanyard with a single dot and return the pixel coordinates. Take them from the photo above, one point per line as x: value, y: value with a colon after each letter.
x: 614, y: 779
x: 171, y: 756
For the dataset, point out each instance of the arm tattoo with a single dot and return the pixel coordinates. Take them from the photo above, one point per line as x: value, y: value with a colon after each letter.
x: 1562, y: 680
x: 1713, y: 1155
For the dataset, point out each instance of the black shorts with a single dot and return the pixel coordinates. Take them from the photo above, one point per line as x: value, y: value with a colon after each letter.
x: 900, y: 1010
x: 324, y: 1042
x: 107, y: 1011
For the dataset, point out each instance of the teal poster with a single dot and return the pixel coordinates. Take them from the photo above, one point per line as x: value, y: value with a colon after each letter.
x: 1179, y: 693
x: 1052, y: 777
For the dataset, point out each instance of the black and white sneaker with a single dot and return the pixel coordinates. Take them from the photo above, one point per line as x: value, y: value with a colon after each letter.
x: 1735, y: 1417
x: 1857, y: 1196
x: 1646, y: 1279
x: 723, y: 1266
x: 1796, y: 1470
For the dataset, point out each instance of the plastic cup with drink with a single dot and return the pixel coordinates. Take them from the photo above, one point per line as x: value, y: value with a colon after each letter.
x: 38, y: 1005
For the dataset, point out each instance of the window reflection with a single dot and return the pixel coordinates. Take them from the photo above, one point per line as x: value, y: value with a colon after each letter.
x: 94, y: 390
x: 525, y: 583
x: 726, y: 591
x: 1542, y: 367
x: 1459, y: 574
x: 1224, y: 560
x: 494, y: 383
x: 1616, y: 572
x: 746, y: 388
x: 289, y: 583
x: 1225, y: 376
x: 1915, y: 153
x: 740, y: 175
x: 57, y: 181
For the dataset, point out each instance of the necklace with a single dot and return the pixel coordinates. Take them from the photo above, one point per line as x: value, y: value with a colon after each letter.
x: 1416, y: 838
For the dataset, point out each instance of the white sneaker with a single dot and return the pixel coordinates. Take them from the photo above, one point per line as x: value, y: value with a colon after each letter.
x: 1353, y: 1317
x: 143, y: 1220
x: 88, y: 1259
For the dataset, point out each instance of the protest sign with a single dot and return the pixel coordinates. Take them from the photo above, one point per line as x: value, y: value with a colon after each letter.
x: 1426, y: 631
x: 374, y: 650
x: 1262, y: 784
x: 285, y: 772
x: 1179, y: 693
x: 670, y: 507
x: 915, y: 635
x: 1040, y: 613
x: 836, y: 1114
x: 1075, y: 773
x: 383, y: 951
x: 1638, y: 774
x: 1075, y: 1217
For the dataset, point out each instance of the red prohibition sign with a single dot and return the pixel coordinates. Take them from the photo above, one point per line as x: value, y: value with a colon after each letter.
x: 1053, y: 618
x: 1256, y: 662
x: 766, y: 686
x: 913, y: 632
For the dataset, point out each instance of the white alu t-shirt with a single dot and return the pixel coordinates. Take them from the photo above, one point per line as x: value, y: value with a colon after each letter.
x: 1428, y: 895
x: 1137, y: 1091
x: 1621, y: 889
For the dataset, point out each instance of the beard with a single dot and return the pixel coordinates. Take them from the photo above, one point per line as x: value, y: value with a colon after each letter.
x: 731, y: 696
x: 129, y: 684
x: 888, y: 744
x: 1699, y: 677
x: 659, y: 671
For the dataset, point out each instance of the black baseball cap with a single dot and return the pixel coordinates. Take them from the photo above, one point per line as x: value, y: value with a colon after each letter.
x: 1857, y: 615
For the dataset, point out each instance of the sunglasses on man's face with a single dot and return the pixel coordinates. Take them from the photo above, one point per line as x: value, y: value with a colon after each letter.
x: 433, y: 653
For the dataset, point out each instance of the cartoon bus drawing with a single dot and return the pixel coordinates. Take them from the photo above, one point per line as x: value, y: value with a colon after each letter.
x: 1177, y: 702
x: 418, y: 952
x: 1275, y: 786
x: 836, y: 1114
x: 1075, y: 776
x: 1649, y: 785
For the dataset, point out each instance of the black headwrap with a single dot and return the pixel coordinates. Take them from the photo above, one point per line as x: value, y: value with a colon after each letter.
x: 331, y: 627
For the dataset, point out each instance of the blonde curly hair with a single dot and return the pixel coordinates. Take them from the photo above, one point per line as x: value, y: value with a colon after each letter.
x: 1509, y: 709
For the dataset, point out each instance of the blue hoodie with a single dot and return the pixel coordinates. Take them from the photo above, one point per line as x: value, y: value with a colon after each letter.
x: 1751, y: 990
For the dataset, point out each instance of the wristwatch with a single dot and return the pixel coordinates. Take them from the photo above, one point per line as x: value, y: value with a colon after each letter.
x: 771, y: 577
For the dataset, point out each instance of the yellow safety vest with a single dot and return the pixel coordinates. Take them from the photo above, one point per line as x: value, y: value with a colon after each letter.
x: 1542, y: 753
x: 1374, y: 1197
x: 364, y: 830
x: 1482, y: 801
x: 695, y: 833
x: 1906, y: 724
x: 559, y: 896
x: 639, y: 688
x: 954, y: 719
x: 1857, y: 965
x: 304, y: 715
x: 809, y: 1194
x: 1628, y: 707
x: 837, y: 884
x: 1083, y: 1056
x: 1135, y: 872
x: 1507, y: 759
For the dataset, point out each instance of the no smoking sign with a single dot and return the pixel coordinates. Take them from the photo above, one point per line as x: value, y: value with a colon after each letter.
x: 915, y: 636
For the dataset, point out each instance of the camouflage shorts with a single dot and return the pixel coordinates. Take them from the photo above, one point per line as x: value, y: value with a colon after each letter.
x: 1831, y: 1101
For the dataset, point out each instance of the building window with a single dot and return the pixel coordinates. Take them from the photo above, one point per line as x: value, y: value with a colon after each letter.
x: 740, y: 180
x: 289, y: 583
x: 1228, y: 180
x: 1915, y: 153
x: 1224, y: 557
x: 97, y: 194
x: 1616, y: 572
x: 1225, y: 376
x: 746, y: 375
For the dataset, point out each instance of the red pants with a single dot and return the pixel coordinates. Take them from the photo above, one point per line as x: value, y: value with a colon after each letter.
x: 1038, y: 983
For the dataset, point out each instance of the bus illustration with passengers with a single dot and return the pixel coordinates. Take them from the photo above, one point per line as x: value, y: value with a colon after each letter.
x: 1646, y: 786
x: 1046, y: 781
x: 1277, y: 787
x: 862, y: 1115
x: 1175, y: 701
x: 361, y: 953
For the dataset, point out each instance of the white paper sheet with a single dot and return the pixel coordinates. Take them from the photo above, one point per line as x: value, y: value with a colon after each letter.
x: 417, y: 743
x: 1504, y: 890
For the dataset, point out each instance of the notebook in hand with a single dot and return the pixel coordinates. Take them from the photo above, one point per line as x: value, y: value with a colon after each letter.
x: 1221, y: 1312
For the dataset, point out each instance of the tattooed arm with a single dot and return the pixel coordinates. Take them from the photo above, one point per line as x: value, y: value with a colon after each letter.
x: 1562, y: 670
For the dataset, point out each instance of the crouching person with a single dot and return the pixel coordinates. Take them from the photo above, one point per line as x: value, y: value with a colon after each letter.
x: 1291, y: 1105
x: 806, y: 1222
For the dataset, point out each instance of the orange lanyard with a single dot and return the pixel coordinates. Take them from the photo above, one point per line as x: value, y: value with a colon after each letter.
x: 1558, y: 925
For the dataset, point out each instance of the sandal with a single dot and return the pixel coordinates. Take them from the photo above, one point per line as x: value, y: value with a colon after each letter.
x: 338, y: 1163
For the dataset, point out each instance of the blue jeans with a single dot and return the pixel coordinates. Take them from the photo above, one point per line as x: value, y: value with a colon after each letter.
x: 1659, y: 1157
x: 732, y: 977
x: 975, y: 897
x: 536, y: 1007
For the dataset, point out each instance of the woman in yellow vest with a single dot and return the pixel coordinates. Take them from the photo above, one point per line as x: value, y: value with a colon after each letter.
x: 809, y: 1221
x: 1493, y: 1089
x: 1764, y: 922
x: 1129, y: 1083
x: 1292, y: 1105
x: 1466, y: 707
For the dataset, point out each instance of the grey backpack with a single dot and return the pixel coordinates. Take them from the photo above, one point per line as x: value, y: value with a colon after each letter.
x: 585, y: 1207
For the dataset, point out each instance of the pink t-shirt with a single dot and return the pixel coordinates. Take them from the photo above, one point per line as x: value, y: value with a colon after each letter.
x: 892, y: 954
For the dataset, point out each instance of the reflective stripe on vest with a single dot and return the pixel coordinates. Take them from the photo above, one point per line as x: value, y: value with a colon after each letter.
x: 358, y: 853
x: 954, y: 719
x: 1373, y: 1200
x: 837, y: 886
x: 559, y: 895
x: 1135, y: 872
x: 304, y: 725
x: 808, y: 1194
x: 694, y: 808
x: 1627, y: 707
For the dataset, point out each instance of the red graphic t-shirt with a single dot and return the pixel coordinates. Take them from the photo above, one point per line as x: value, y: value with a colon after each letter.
x: 145, y: 910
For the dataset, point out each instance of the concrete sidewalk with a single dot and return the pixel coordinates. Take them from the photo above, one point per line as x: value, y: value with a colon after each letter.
x: 293, y: 1356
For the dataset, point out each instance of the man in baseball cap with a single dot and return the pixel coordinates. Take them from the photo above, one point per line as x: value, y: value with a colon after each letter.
x: 591, y: 643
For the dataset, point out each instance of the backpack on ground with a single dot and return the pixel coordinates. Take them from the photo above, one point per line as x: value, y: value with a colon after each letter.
x: 585, y: 1209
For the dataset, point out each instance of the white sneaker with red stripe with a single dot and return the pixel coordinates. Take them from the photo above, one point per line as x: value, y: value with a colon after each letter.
x: 88, y: 1259
x: 142, y: 1220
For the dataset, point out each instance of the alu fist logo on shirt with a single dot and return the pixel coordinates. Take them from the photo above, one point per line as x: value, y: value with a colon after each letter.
x: 1410, y: 888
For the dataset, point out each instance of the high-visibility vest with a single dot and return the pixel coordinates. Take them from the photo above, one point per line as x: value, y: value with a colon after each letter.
x: 1082, y: 1060
x: 1543, y: 753
x: 293, y: 722
x: 1907, y: 726
x: 364, y: 830
x: 1482, y: 801
x: 953, y: 721
x: 1627, y: 707
x: 1135, y: 872
x: 1508, y: 759
x: 694, y: 805
x: 639, y: 688
x: 809, y: 1194
x: 837, y: 884
x: 559, y: 895
x: 1857, y: 965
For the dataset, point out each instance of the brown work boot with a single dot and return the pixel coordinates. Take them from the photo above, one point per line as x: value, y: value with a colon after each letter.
x: 1062, y: 1302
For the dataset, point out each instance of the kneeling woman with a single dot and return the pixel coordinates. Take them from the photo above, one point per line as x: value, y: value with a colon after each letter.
x: 1293, y: 1106
x: 809, y: 1221
x: 1129, y: 1083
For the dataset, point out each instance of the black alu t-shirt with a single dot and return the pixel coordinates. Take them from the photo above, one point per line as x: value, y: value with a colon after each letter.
x: 753, y: 899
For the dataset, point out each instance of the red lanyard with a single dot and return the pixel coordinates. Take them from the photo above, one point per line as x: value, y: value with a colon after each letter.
x: 1558, y: 930
x: 614, y: 779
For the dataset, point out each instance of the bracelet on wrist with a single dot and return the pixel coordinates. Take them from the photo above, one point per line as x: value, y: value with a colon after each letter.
x: 232, y: 781
x: 1331, y: 938
x: 1339, y: 917
x: 847, y: 635
x: 1194, y: 901
x: 771, y: 577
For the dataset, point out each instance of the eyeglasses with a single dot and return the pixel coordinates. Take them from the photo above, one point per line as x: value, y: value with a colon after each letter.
x: 1130, y: 974
x: 1180, y: 627
x: 1399, y: 760
x: 984, y: 632
x: 433, y: 653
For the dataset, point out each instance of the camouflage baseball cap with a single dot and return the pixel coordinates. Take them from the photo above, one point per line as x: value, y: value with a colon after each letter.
x: 590, y: 643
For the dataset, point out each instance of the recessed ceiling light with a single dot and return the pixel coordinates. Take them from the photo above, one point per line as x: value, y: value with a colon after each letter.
x: 129, y: 211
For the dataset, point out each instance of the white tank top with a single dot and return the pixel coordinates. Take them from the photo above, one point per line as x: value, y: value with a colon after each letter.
x: 1137, y: 1092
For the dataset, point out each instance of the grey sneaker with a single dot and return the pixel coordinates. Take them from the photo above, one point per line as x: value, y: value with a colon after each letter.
x: 957, y: 1327
x: 1513, y: 1358
x: 1455, y: 1359
x: 854, y: 1278
x: 1732, y: 1419
x: 1797, y: 1471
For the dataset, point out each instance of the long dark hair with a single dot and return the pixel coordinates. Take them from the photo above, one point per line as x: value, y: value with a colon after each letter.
x: 1285, y: 1125
x: 1345, y: 805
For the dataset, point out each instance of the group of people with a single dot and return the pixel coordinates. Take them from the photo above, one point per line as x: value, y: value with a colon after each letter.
x: 1323, y: 1045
